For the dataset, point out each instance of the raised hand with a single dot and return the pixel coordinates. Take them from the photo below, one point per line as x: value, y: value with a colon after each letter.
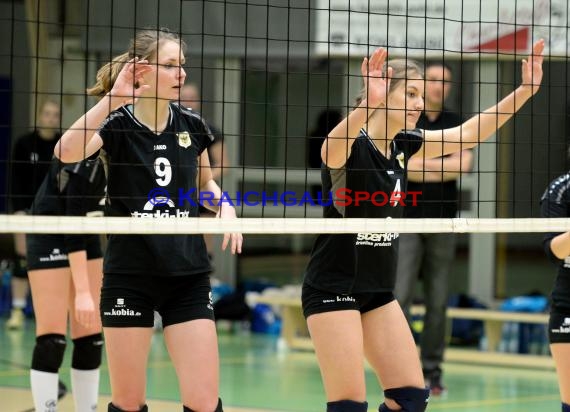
x: 532, y: 68
x: 130, y: 84
x: 376, y: 84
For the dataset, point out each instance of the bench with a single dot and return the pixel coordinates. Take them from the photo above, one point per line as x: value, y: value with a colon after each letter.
x: 295, y: 334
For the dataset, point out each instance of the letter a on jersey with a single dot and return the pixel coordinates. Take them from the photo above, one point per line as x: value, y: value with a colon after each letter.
x: 184, y: 139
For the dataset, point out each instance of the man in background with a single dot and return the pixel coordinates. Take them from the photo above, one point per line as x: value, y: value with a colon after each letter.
x: 429, y: 255
x: 190, y: 97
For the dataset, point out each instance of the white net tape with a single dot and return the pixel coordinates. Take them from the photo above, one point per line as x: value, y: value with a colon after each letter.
x: 69, y: 224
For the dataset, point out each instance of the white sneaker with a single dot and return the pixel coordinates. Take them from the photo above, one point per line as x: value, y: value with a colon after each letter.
x: 16, y: 320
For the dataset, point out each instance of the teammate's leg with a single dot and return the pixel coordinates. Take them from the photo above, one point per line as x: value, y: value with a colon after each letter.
x: 87, y: 346
x: 394, y: 358
x: 337, y: 337
x: 193, y: 348
x: 127, y: 350
x: 50, y: 287
x: 561, y: 355
x: 19, y: 283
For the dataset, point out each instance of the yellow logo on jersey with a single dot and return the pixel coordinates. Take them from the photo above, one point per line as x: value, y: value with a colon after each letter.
x: 400, y: 159
x: 184, y: 139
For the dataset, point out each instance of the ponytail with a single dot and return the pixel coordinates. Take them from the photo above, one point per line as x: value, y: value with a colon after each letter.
x: 107, y: 75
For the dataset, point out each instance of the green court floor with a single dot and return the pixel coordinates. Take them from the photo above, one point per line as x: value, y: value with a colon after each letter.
x: 259, y: 374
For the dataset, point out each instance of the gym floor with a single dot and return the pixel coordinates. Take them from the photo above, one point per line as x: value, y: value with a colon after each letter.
x: 258, y: 375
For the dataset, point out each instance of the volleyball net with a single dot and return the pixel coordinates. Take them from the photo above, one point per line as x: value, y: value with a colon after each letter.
x: 274, y: 75
x: 117, y: 225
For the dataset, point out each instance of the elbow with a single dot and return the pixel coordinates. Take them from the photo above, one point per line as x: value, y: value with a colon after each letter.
x: 65, y: 154
x: 326, y: 157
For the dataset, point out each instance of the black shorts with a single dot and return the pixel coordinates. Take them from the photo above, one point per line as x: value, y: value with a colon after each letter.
x: 317, y: 301
x: 130, y: 301
x: 559, y: 326
x: 49, y: 252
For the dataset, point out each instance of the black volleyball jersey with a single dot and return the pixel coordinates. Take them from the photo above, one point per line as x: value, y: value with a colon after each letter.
x: 154, y: 176
x: 76, y: 189
x: 30, y: 164
x: 362, y: 262
x: 555, y: 202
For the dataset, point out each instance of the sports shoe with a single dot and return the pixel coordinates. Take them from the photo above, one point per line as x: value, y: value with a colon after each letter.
x: 436, y: 387
x: 16, y: 320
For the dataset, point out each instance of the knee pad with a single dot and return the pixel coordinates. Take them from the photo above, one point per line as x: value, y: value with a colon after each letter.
x: 565, y: 407
x: 87, y: 352
x: 113, y: 408
x: 48, y: 353
x: 347, y: 406
x: 410, y: 399
x: 218, y: 407
x: 20, y: 267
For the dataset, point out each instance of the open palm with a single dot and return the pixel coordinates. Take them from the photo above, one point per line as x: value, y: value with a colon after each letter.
x: 376, y: 84
x: 532, y: 68
x: 129, y: 84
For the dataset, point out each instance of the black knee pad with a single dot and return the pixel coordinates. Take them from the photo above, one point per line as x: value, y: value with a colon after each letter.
x: 87, y: 352
x: 20, y: 267
x: 218, y: 408
x: 565, y: 407
x: 347, y: 406
x: 113, y: 408
x: 410, y: 399
x: 48, y: 353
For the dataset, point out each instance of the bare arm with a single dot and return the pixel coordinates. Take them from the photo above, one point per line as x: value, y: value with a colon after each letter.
x: 338, y: 145
x: 480, y: 127
x: 85, y: 310
x: 560, y: 245
x: 440, y: 169
x: 81, y: 140
x: 207, y: 184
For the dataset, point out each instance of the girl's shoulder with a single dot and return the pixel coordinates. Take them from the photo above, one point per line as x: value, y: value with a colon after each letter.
x: 558, y: 190
x: 183, y: 111
x: 117, y: 116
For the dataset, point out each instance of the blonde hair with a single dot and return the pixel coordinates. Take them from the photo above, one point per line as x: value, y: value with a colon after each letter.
x: 144, y: 46
x: 402, y: 70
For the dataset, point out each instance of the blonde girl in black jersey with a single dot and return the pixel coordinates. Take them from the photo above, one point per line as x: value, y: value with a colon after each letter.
x: 347, y: 292
x: 153, y: 143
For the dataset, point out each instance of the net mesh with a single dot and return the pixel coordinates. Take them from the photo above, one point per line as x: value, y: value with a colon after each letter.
x: 267, y: 70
